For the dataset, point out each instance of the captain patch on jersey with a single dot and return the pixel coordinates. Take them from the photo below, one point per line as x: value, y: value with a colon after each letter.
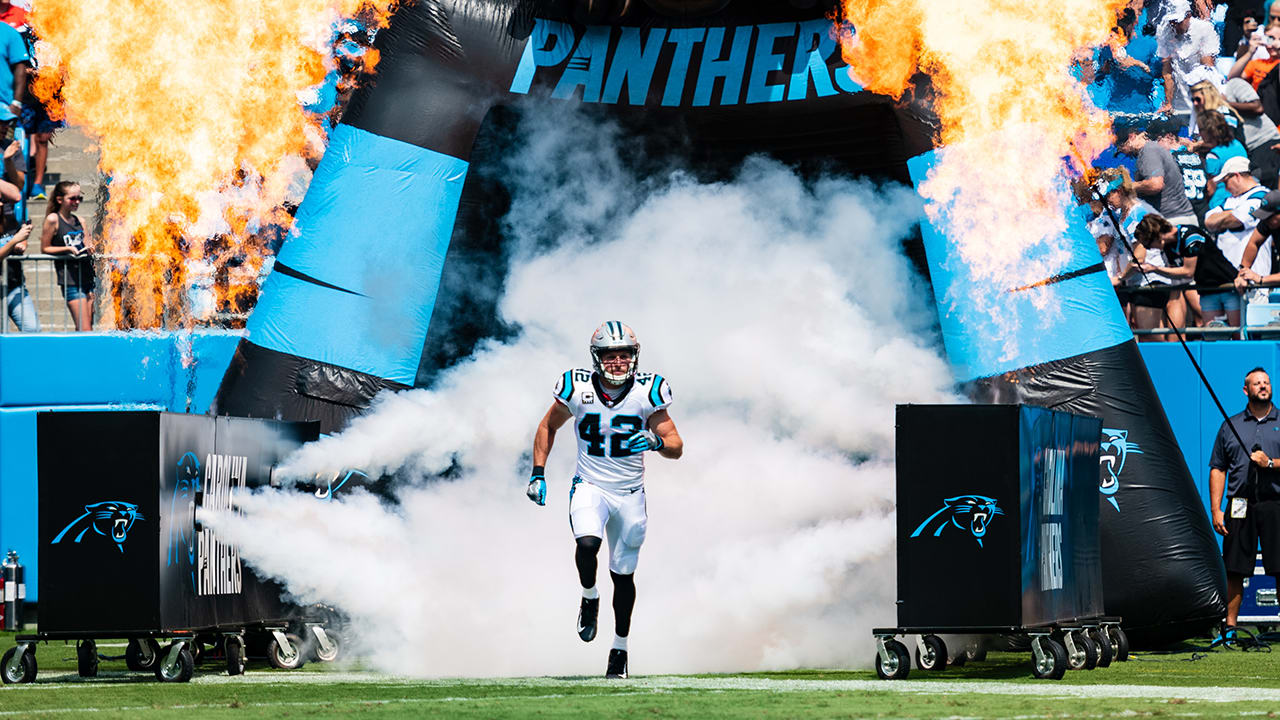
x: 603, y: 426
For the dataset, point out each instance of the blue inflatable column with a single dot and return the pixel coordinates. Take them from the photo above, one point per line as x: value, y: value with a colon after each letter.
x: 1062, y: 342
x: 346, y: 308
x: 341, y: 293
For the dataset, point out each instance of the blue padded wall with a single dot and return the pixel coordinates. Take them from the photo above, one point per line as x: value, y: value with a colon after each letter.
x: 178, y: 372
x: 1191, y: 410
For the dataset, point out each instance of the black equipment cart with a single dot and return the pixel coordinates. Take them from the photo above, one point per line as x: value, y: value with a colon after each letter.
x: 123, y: 555
x: 998, y: 535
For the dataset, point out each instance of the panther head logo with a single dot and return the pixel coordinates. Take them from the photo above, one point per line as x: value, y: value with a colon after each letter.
x: 111, y: 518
x: 182, y: 536
x: 1115, y: 449
x: 971, y: 513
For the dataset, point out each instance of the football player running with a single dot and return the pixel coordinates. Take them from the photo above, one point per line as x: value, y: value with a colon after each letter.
x: 618, y: 414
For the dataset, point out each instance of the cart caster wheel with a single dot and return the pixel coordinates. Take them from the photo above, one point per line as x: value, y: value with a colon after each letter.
x: 87, y: 658
x: 1086, y: 655
x: 1121, y: 643
x: 141, y: 655
x: 899, y: 665
x: 286, y: 658
x: 233, y: 648
x: 1054, y: 663
x: 976, y: 655
x: 179, y: 668
x: 316, y: 653
x: 1106, y: 651
x: 934, y: 656
x: 18, y: 668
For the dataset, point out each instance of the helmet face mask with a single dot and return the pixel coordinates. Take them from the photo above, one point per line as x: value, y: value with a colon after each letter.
x: 613, y: 335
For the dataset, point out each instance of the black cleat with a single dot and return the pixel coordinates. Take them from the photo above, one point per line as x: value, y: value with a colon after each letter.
x: 587, y: 615
x: 617, y: 664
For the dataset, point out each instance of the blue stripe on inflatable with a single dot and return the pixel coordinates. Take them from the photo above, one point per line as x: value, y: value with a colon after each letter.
x: 365, y: 258
x: 989, y: 330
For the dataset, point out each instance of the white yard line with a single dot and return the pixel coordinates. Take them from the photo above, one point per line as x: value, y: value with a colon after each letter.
x: 728, y: 683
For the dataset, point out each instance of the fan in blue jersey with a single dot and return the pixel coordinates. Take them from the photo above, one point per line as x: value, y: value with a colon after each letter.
x: 618, y: 414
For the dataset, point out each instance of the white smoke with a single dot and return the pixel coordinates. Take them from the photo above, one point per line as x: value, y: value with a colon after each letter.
x: 788, y: 324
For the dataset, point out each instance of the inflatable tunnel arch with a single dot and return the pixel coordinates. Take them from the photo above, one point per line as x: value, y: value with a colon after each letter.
x: 405, y: 143
x: 333, y: 327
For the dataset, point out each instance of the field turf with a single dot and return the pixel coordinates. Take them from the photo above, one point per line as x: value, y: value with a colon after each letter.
x: 1220, y: 683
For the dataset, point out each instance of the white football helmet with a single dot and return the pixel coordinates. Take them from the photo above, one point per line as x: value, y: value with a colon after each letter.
x: 613, y: 335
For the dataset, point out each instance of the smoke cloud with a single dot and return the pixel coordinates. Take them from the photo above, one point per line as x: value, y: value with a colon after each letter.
x: 788, y: 324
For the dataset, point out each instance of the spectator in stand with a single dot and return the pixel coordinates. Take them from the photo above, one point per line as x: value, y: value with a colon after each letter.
x: 1159, y: 179
x: 63, y: 234
x: 1249, y: 23
x: 13, y: 73
x: 33, y: 115
x: 17, y: 300
x: 1106, y: 235
x: 1154, y: 268
x: 13, y: 15
x: 1123, y: 81
x: 1191, y: 255
x: 1195, y: 178
x: 1217, y: 144
x: 1270, y: 14
x: 1145, y: 305
x: 1261, y: 137
x: 1235, y: 223
x: 1268, y: 217
x: 1255, y: 65
x: 1206, y: 95
x: 1183, y: 43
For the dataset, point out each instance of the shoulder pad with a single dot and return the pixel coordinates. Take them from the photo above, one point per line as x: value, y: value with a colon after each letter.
x: 571, y: 381
x: 656, y: 387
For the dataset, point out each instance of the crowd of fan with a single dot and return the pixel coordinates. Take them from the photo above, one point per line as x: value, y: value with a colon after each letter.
x: 1185, y: 206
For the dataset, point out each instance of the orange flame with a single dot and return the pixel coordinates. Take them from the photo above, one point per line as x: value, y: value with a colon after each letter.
x: 1009, y: 108
x: 194, y: 107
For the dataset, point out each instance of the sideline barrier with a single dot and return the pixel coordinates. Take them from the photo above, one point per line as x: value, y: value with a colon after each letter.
x: 90, y: 371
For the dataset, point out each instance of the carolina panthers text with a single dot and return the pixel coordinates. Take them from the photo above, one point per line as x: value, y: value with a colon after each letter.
x: 218, y: 562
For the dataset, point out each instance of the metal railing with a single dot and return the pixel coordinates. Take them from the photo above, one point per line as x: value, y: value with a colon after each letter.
x: 39, y: 304
x: 1247, y: 329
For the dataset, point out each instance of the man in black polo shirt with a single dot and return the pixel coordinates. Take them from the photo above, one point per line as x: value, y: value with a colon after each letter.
x: 1252, y: 481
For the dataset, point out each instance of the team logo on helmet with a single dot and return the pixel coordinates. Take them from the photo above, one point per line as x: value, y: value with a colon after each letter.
x: 613, y: 335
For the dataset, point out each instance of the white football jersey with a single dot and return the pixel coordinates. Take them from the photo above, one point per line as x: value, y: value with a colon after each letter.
x: 602, y: 430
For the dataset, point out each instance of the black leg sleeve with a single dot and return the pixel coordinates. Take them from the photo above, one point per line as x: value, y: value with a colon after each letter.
x: 624, y: 599
x: 585, y: 558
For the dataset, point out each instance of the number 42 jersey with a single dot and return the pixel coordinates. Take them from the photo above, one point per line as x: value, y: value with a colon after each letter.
x: 604, y: 428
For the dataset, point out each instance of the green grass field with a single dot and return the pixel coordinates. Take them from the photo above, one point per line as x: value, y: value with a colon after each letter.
x: 1222, y: 683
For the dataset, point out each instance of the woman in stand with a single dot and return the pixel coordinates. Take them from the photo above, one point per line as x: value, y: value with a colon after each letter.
x: 1149, y: 295
x: 63, y: 235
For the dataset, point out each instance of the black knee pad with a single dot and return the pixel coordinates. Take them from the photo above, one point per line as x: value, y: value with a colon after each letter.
x: 589, y: 544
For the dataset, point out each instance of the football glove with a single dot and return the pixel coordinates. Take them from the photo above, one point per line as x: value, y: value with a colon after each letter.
x: 644, y: 440
x: 537, y: 490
